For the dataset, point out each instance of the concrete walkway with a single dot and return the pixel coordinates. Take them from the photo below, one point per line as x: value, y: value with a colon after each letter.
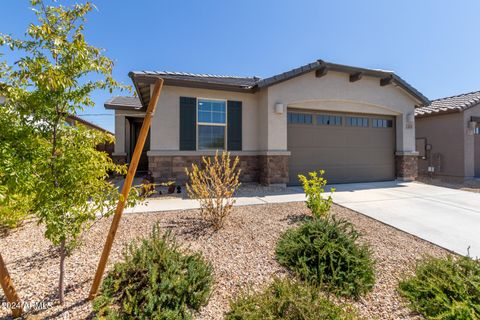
x: 447, y: 217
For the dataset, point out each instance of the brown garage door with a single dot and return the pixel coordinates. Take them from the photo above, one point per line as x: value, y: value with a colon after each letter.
x: 349, y: 147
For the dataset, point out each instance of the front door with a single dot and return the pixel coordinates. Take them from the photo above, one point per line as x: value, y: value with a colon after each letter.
x: 135, y: 126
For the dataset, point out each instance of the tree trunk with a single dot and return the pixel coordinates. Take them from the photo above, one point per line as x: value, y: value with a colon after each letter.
x: 61, y: 280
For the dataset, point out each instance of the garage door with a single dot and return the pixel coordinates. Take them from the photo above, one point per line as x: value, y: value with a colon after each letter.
x: 349, y: 147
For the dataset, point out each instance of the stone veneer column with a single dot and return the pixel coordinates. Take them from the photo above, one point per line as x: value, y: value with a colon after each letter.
x: 273, y: 169
x: 406, y: 166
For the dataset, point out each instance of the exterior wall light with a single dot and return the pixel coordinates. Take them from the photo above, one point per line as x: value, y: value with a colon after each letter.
x: 279, y: 108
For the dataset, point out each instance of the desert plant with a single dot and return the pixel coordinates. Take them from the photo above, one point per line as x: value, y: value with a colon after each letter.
x: 313, y: 186
x: 156, y: 280
x: 325, y: 252
x: 444, y: 288
x: 285, y: 299
x: 214, y: 186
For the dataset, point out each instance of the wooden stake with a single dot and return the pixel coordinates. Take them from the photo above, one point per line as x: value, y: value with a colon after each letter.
x: 126, y: 187
x: 9, y: 290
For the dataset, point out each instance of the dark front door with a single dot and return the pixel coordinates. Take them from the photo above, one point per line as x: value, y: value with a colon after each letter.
x: 135, y: 126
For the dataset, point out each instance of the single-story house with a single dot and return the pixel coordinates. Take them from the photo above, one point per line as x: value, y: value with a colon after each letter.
x: 448, y: 136
x: 357, y: 124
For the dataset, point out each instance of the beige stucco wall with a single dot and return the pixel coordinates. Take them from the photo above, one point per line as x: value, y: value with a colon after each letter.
x: 445, y: 133
x: 165, y: 124
x: 122, y: 130
x: 266, y: 131
x: 334, y: 91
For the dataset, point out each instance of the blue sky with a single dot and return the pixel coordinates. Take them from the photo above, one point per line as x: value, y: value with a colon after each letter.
x: 432, y: 44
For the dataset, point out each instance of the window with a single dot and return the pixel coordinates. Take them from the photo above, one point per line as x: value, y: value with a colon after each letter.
x: 329, y: 120
x: 382, y: 123
x: 303, y: 118
x: 477, y: 130
x: 212, y: 120
x: 357, y: 122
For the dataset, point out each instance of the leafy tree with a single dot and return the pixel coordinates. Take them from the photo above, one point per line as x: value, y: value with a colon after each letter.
x: 64, y: 178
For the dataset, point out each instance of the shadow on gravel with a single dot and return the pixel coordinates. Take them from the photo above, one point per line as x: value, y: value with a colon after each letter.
x: 296, y: 218
x: 36, y: 260
x: 189, y: 227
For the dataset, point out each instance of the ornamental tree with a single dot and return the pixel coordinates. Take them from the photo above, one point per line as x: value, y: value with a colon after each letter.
x: 64, y: 178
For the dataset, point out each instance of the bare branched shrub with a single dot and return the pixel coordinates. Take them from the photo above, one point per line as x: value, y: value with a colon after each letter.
x: 214, y: 185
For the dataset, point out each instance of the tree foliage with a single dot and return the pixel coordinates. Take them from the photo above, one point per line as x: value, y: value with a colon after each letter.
x: 51, y: 165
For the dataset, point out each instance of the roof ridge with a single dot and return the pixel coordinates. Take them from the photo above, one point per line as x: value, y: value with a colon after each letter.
x: 205, y: 75
x: 456, y: 96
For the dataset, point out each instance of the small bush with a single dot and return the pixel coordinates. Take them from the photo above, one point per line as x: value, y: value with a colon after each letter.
x: 214, y: 187
x: 288, y: 300
x: 444, y: 288
x: 156, y: 280
x: 325, y: 252
x: 314, y: 190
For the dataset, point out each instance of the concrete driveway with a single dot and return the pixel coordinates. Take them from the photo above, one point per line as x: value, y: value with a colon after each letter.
x: 447, y: 217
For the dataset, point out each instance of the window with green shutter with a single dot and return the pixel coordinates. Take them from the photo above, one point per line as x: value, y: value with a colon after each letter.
x: 188, y: 123
x: 234, y: 126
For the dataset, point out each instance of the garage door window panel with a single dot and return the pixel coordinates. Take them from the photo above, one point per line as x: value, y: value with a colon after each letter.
x: 299, y: 118
x: 382, y: 123
x: 357, y: 122
x: 329, y: 120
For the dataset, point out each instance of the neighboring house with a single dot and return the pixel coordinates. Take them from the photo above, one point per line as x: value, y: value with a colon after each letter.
x: 448, y: 136
x: 357, y: 124
x: 107, y: 147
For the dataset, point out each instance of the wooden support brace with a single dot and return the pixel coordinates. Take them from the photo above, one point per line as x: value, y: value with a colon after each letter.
x: 9, y: 290
x: 322, y: 71
x: 132, y: 169
x: 355, y: 76
x: 386, y: 81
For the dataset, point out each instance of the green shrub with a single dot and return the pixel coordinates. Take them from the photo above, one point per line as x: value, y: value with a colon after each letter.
x: 314, y: 189
x: 156, y: 280
x: 287, y: 300
x: 444, y: 288
x: 325, y: 252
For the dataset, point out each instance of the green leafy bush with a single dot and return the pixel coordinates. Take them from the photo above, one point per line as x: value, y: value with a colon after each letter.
x: 325, y: 252
x: 157, y: 280
x: 288, y: 300
x: 314, y: 190
x: 444, y: 288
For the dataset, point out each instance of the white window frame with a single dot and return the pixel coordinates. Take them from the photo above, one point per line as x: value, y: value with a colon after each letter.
x: 212, y: 124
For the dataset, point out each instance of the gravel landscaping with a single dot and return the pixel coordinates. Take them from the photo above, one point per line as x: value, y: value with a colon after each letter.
x: 242, y: 255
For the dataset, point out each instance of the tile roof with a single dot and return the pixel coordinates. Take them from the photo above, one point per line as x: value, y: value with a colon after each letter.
x: 122, y: 102
x: 241, y: 82
x: 456, y: 103
x: 143, y: 79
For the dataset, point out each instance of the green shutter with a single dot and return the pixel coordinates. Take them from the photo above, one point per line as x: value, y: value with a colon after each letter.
x: 234, y: 125
x: 188, y: 123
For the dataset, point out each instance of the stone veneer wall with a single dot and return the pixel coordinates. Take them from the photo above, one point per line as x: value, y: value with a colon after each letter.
x: 263, y: 169
x: 406, y: 167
